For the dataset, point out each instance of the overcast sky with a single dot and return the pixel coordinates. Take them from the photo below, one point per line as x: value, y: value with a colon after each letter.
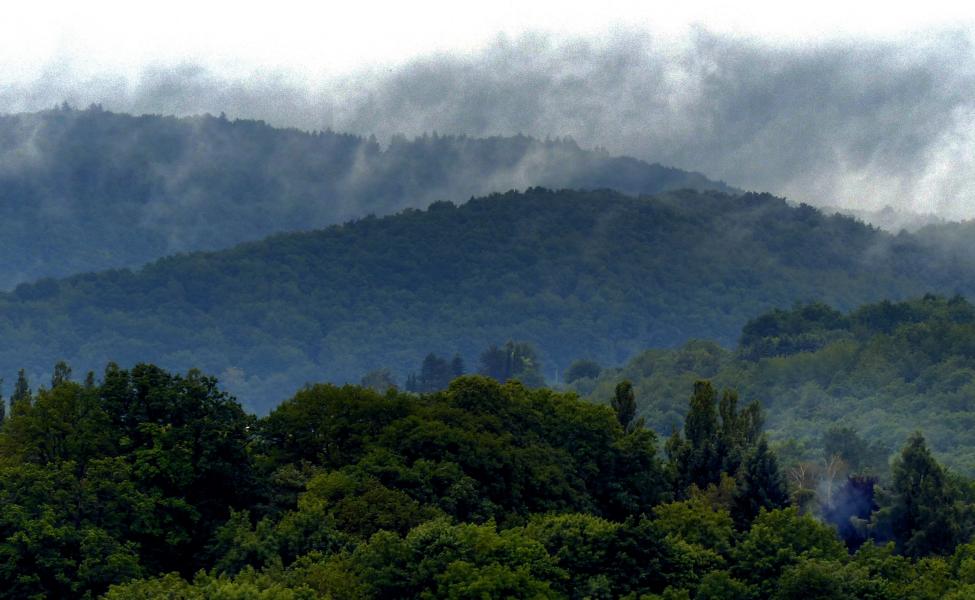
x: 859, y: 104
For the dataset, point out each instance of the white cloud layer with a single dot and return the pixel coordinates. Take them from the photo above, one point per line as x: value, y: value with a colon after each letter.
x: 853, y: 104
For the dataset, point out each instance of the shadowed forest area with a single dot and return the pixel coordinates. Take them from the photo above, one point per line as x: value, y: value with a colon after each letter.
x: 653, y: 386
x: 86, y: 190
x: 575, y: 274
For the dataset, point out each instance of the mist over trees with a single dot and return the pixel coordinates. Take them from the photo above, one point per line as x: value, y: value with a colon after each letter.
x: 574, y: 274
x: 822, y: 124
x: 84, y: 190
x: 247, y: 362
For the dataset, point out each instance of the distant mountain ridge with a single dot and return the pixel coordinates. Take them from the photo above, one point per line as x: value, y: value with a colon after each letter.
x: 84, y: 190
x: 578, y: 274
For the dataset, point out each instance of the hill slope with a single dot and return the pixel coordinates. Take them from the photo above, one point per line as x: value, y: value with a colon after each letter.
x: 577, y: 274
x: 89, y: 190
x: 884, y: 369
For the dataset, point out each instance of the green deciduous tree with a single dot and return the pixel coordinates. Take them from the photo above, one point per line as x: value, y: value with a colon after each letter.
x: 582, y: 369
x: 380, y: 381
x: 779, y: 539
x: 515, y: 360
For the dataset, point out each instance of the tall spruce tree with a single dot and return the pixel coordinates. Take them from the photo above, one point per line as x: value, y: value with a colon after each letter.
x: 693, y: 457
x: 624, y: 404
x: 435, y: 374
x: 516, y: 360
x: 21, y: 397
x: 760, y: 485
x: 923, y: 514
x: 457, y: 367
x: 717, y: 437
x: 61, y: 375
x: 739, y: 431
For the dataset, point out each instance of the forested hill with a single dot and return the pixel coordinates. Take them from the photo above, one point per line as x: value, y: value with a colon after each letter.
x: 884, y: 370
x: 594, y: 274
x: 90, y: 190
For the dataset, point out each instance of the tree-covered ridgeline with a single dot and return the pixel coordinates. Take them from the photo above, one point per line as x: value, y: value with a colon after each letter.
x: 145, y: 484
x: 84, y: 190
x: 574, y: 274
x: 854, y: 384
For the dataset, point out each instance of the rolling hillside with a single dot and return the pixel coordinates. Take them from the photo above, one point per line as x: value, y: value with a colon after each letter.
x: 884, y: 369
x: 90, y: 190
x: 577, y: 274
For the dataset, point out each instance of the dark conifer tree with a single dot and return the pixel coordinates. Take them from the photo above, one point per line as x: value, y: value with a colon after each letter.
x: 739, y: 431
x: 760, y: 485
x: 717, y: 437
x: 923, y: 515
x: 493, y: 363
x: 21, y: 397
x: 694, y: 457
x: 435, y: 373
x: 457, y: 366
x: 624, y: 404
x: 580, y: 369
x: 61, y: 375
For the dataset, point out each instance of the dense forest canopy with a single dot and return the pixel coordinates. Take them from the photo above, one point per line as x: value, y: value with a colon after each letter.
x: 84, y: 190
x: 240, y: 361
x: 143, y: 484
x: 883, y: 370
x: 576, y: 274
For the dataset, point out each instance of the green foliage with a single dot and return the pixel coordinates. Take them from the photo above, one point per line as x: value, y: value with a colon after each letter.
x: 103, y: 190
x: 696, y: 521
x: 459, y: 450
x: 64, y: 535
x: 154, y: 485
x: 890, y: 369
x: 440, y: 560
x: 922, y: 514
x: 436, y: 373
x: 582, y: 369
x: 379, y: 381
x: 779, y: 539
x: 816, y: 580
x: 781, y: 333
x: 717, y: 437
x: 127, y: 477
x: 624, y: 405
x: 21, y: 397
x: 516, y: 360
x: 760, y: 484
x: 859, y: 455
x: 248, y: 586
x: 541, y: 267
x: 584, y: 547
x: 720, y: 585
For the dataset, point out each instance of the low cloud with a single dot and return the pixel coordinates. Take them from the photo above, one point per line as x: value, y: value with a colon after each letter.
x: 854, y: 123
